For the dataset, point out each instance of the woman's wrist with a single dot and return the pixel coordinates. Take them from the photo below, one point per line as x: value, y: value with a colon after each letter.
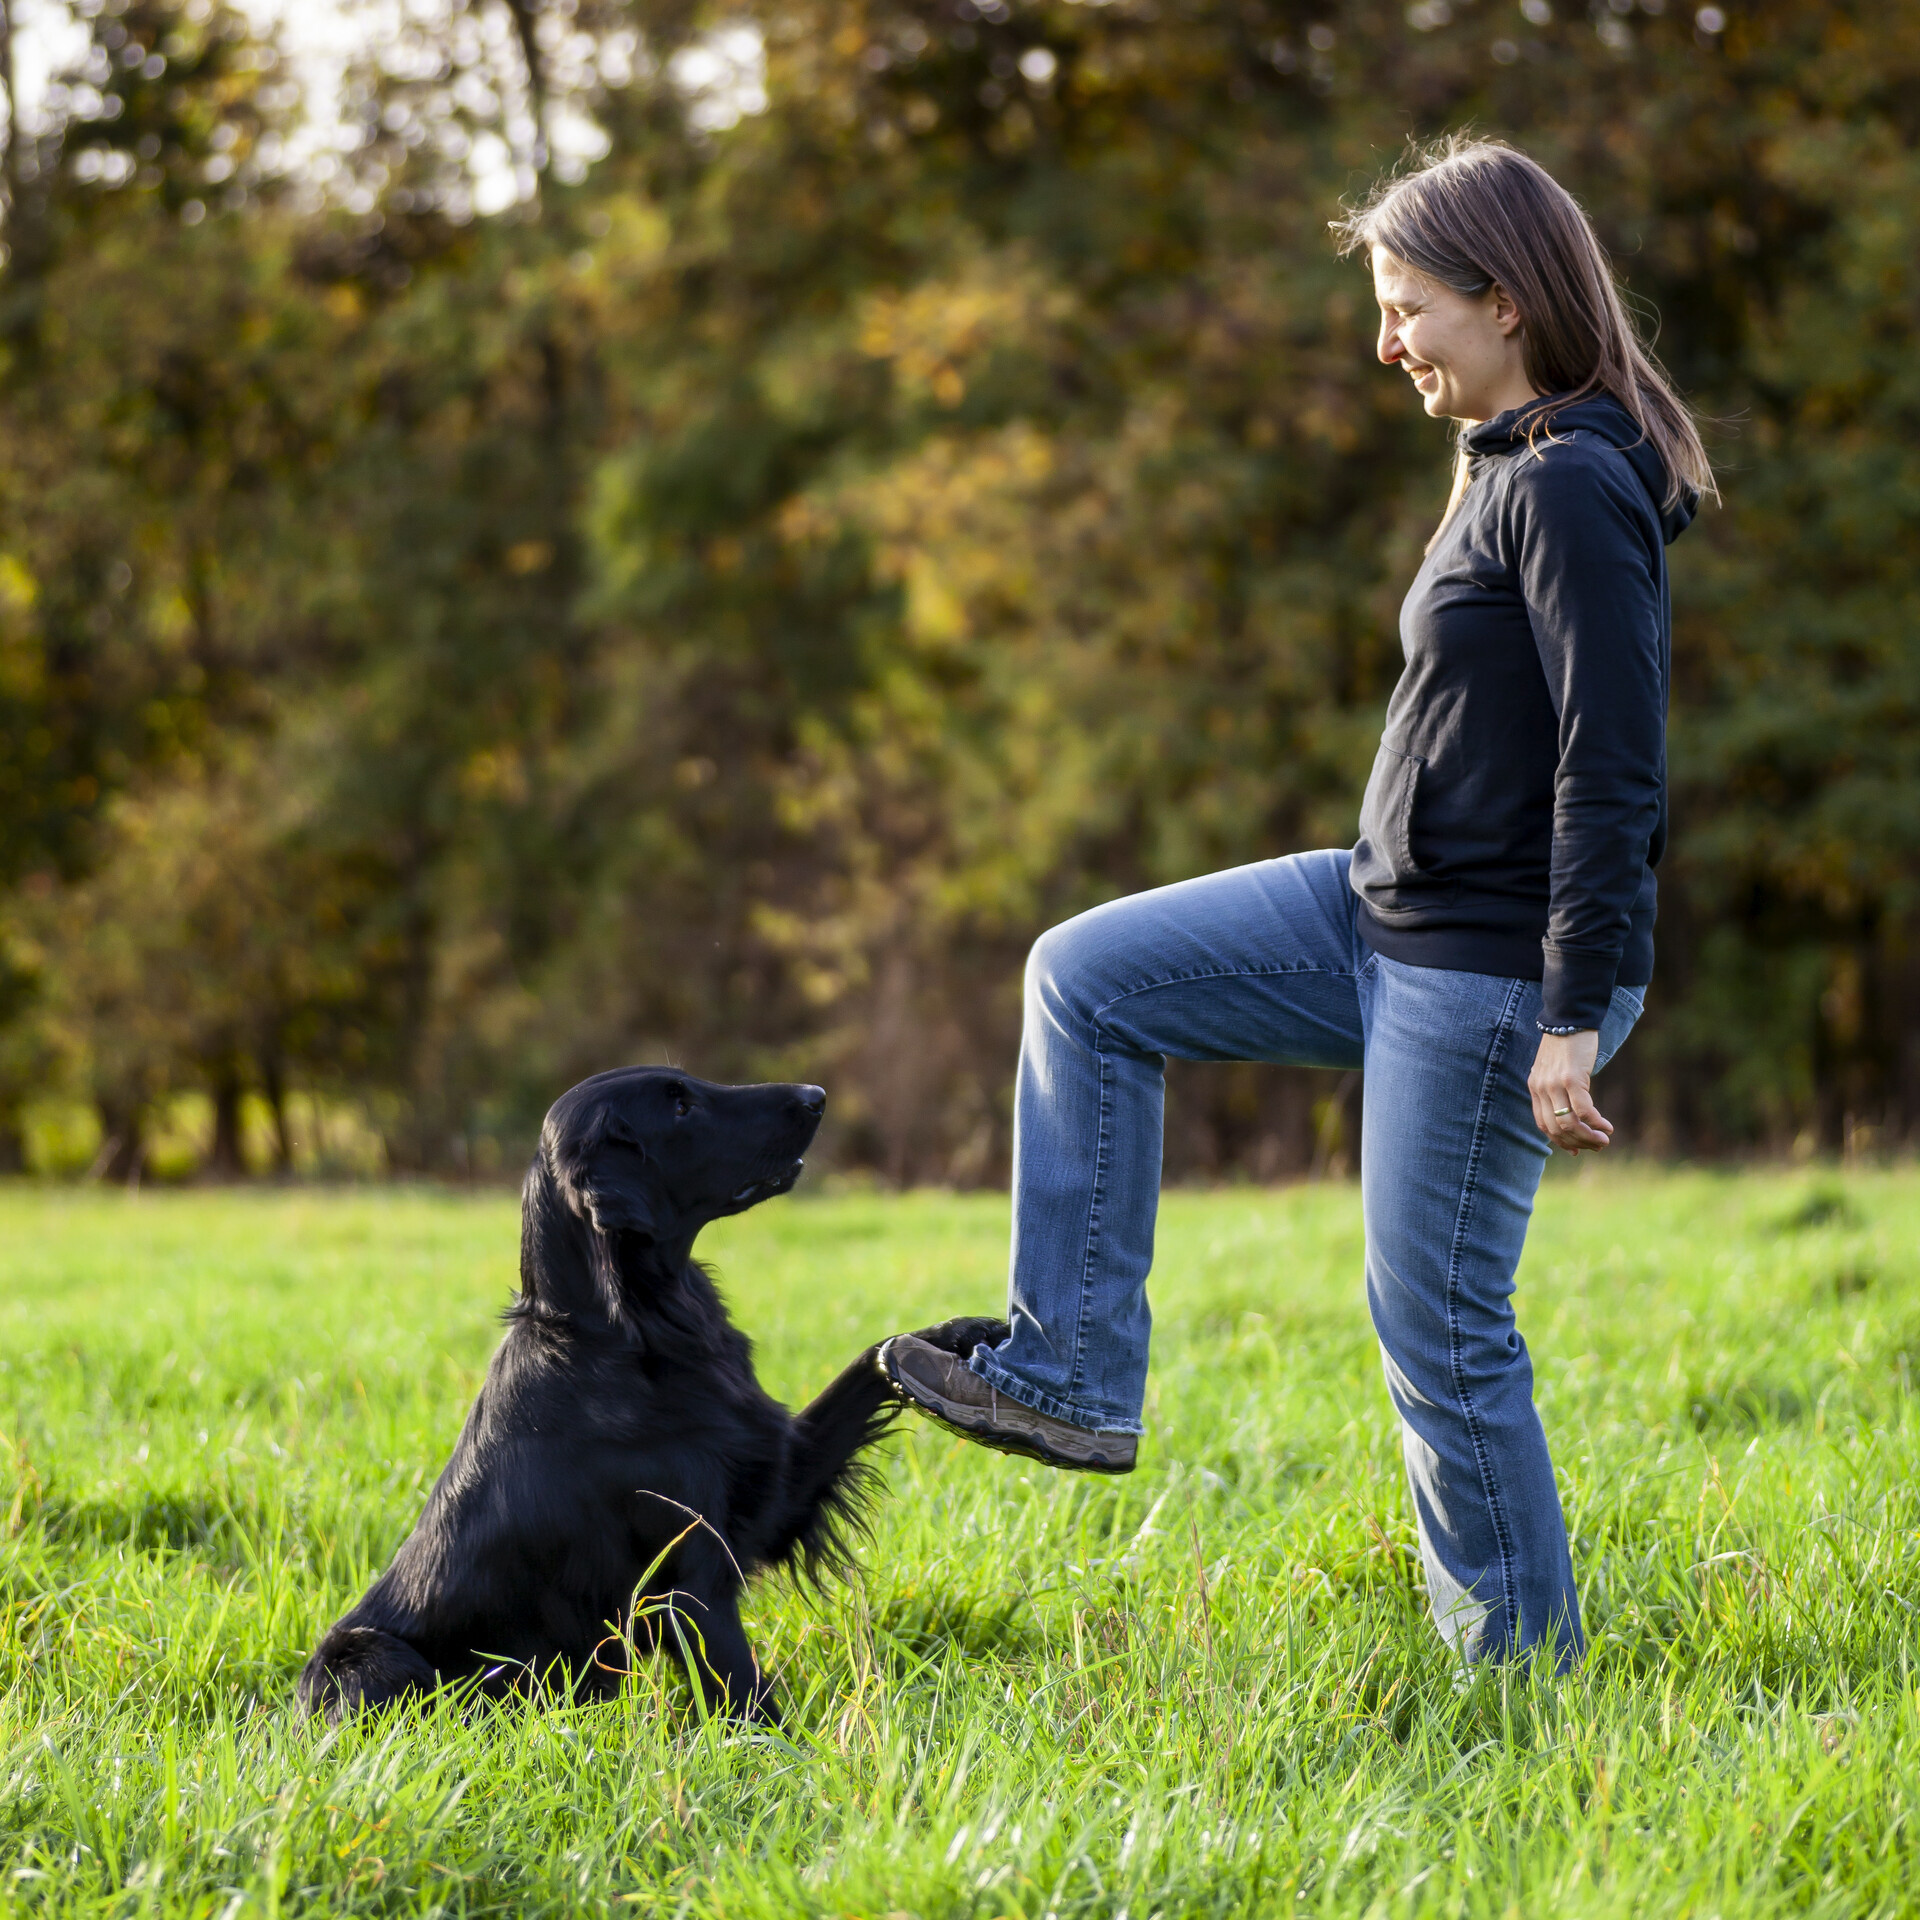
x: 1562, y: 1032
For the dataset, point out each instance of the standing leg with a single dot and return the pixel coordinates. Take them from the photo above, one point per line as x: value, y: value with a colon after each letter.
x: 1258, y: 963
x: 705, y: 1631
x: 1450, y: 1160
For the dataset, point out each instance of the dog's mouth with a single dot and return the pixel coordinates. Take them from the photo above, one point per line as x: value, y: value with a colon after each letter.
x: 756, y: 1191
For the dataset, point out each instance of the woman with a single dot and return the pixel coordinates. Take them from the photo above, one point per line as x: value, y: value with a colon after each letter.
x: 1482, y: 951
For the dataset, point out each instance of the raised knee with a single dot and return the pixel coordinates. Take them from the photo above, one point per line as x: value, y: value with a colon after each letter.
x: 1049, y: 953
x: 1058, y: 976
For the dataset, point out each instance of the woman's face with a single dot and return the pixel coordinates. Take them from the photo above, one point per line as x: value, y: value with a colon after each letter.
x: 1462, y: 350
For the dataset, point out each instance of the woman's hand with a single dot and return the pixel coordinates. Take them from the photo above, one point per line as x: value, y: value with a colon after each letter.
x: 1561, y: 1084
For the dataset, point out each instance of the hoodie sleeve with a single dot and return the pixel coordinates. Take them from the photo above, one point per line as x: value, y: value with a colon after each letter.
x: 1587, y: 548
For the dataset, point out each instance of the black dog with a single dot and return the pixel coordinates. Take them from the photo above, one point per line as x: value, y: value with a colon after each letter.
x: 619, y: 1417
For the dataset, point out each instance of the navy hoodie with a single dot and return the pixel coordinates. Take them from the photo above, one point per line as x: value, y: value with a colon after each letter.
x: 1518, y: 804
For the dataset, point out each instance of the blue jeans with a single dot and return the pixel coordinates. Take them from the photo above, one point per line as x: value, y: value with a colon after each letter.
x: 1264, y: 963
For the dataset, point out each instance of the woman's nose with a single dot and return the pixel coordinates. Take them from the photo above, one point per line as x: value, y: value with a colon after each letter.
x: 1390, y: 345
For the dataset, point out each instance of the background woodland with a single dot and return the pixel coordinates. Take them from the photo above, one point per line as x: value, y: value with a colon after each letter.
x: 927, y: 475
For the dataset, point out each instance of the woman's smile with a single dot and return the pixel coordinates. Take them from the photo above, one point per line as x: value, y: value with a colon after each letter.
x: 1480, y: 366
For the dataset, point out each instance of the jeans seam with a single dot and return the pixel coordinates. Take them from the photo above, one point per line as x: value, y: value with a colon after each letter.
x: 1077, y: 1378
x: 1470, y: 1414
x: 1096, y: 1019
x: 1098, y: 1014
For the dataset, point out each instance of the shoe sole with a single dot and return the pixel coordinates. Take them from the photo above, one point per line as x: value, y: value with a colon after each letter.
x: 1023, y: 1446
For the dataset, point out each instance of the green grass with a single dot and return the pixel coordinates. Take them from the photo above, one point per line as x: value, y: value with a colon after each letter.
x: 1206, y: 1689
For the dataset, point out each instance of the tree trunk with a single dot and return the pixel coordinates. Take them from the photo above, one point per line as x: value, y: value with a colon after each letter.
x: 123, y: 1142
x: 24, y: 209
x: 412, y: 1142
x: 526, y: 27
x: 9, y: 156
x: 273, y: 1078
x: 225, y: 1160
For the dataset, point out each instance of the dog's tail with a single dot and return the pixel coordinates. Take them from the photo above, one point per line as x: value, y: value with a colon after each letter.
x: 831, y: 1490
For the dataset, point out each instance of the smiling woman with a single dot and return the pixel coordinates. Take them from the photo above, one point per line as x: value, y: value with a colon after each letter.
x: 1494, y: 291
x: 1464, y: 352
x: 1482, y: 951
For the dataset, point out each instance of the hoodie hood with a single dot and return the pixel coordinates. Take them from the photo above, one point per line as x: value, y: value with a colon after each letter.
x: 1601, y: 415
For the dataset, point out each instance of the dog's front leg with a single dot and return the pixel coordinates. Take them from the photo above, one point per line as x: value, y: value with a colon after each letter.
x: 853, y: 1412
x: 720, y: 1661
x: 823, y: 1486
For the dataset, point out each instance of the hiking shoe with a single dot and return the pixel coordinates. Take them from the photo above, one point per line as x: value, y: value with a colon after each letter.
x: 943, y: 1385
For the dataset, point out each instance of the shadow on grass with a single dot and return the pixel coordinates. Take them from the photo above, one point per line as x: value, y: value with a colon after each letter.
x: 1746, y: 1406
x: 147, y: 1521
x: 1824, y: 1204
x: 924, y: 1625
x: 1848, y: 1279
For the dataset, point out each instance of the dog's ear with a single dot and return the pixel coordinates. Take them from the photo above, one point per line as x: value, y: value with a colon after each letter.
x: 613, y: 1194
x: 604, y: 1173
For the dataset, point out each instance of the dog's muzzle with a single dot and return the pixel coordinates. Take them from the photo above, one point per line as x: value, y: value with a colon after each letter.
x: 758, y: 1190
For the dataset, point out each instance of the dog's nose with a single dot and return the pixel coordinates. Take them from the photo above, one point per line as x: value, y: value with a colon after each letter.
x: 814, y: 1099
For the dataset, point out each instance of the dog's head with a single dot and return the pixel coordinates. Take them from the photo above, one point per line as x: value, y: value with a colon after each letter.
x: 646, y: 1157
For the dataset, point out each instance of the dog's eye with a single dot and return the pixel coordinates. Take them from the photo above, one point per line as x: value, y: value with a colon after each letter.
x: 682, y: 1103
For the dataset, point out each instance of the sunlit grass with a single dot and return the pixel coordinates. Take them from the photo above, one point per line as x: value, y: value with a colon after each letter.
x: 1209, y: 1688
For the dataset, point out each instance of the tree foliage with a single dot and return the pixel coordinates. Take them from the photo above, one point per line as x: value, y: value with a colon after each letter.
x: 894, y: 475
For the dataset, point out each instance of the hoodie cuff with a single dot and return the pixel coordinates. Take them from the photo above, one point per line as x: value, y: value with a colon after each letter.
x: 1576, y: 988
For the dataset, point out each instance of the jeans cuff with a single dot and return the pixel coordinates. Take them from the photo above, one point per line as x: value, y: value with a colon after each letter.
x: 1031, y: 1397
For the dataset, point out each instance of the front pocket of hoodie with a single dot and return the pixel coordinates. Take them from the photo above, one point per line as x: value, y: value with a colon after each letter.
x: 1384, y: 869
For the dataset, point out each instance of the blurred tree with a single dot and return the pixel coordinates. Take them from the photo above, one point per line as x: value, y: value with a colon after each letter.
x: 211, y: 947
x: 710, y: 527
x: 152, y: 439
x: 146, y: 371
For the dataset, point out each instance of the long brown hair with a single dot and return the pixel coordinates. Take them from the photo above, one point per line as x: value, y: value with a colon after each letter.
x: 1472, y: 213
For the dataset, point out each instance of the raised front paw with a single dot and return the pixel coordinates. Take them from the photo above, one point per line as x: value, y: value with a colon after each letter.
x: 963, y: 1335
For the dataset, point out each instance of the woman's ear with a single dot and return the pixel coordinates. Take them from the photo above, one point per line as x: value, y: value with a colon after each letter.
x: 1506, y: 311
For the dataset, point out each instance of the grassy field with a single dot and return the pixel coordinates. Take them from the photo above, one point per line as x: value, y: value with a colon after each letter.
x: 1206, y: 1689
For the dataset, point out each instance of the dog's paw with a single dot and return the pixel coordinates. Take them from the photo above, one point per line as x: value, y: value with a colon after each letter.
x: 962, y: 1336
